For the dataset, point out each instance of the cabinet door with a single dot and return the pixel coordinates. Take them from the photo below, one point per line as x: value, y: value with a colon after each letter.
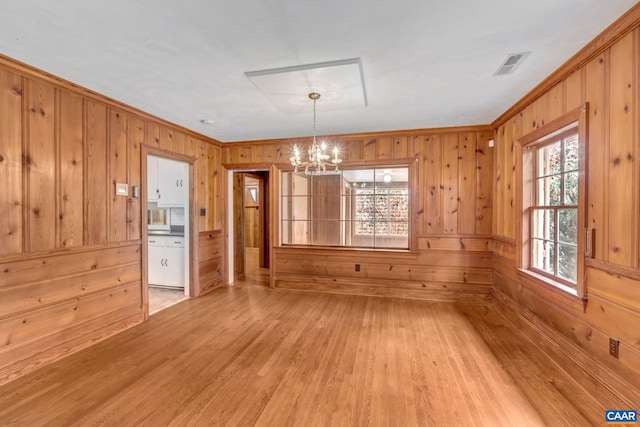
x: 174, y: 270
x: 156, y: 263
x: 172, y: 183
x: 152, y: 179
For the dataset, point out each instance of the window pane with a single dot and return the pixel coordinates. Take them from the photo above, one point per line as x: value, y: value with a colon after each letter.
x: 571, y: 153
x: 399, y: 205
x: 549, y: 159
x: 568, y: 225
x: 392, y: 241
x: 364, y: 212
x: 327, y: 233
x: 543, y: 255
x: 382, y: 208
x: 549, y: 191
x: 544, y: 224
x: 329, y: 184
x: 571, y: 188
x: 359, y: 178
x: 295, y: 232
x: 295, y: 207
x: 399, y: 228
x: 567, y: 262
x: 382, y: 228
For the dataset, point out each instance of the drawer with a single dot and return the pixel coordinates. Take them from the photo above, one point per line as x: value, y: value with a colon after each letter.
x: 156, y: 240
x: 174, y: 241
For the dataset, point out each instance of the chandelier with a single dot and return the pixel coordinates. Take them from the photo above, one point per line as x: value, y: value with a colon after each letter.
x: 318, y: 159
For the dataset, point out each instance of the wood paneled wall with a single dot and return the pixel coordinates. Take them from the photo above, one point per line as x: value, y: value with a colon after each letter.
x: 451, y: 257
x: 71, y: 262
x: 608, y: 81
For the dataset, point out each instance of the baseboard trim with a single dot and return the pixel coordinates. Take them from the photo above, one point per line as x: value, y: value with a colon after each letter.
x: 430, y: 293
x: 564, y: 352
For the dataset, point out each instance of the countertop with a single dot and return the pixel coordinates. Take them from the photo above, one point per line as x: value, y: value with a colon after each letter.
x: 165, y: 233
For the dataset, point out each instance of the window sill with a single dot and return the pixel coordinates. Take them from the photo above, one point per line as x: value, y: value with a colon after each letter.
x: 552, y: 290
x: 348, y: 249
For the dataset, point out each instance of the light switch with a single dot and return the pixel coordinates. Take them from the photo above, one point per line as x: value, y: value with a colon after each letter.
x: 122, y: 189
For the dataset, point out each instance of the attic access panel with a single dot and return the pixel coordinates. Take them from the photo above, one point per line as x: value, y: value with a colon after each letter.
x: 340, y: 84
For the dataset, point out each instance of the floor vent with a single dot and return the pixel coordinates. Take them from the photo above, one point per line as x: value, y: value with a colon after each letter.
x: 511, y: 62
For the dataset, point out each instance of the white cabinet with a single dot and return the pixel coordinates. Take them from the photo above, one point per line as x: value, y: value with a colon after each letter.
x: 166, y: 261
x: 166, y: 181
x: 153, y: 191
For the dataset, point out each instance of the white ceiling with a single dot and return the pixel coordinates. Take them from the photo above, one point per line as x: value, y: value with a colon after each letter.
x: 426, y: 63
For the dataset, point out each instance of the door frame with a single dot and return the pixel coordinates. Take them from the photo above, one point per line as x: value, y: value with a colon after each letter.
x: 190, y: 287
x: 230, y: 216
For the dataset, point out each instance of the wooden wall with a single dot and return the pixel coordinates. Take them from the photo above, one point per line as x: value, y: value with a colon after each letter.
x: 607, y: 79
x: 452, y: 207
x: 71, y: 262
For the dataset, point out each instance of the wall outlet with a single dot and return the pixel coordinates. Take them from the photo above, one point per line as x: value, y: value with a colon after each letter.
x: 357, y: 267
x: 614, y: 347
x: 203, y: 212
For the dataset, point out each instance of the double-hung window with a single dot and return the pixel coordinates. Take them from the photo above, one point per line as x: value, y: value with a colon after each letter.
x: 553, y: 176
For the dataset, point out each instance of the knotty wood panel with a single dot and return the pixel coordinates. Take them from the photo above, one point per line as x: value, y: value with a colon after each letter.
x: 97, y: 188
x: 210, y: 256
x: 217, y: 189
x: 623, y: 79
x: 166, y: 138
x: 51, y: 295
x: 40, y: 155
x: 152, y: 136
x: 450, y: 190
x: 211, y: 187
x: 430, y: 174
x: 32, y: 295
x: 11, y: 196
x: 484, y: 184
x: 118, y: 172
x: 467, y: 182
x: 135, y: 140
x: 590, y: 330
x: 179, y: 142
x: 201, y: 186
x: 574, y: 91
x: 20, y: 327
x: 71, y: 166
x: 595, y: 83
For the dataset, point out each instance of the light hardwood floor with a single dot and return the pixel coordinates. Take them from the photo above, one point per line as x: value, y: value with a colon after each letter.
x: 250, y: 355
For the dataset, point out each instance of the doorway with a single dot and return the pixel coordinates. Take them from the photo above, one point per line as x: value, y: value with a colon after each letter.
x: 168, y: 231
x: 251, y: 230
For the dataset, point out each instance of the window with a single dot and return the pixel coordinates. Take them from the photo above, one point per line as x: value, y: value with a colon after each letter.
x: 355, y: 207
x: 554, y: 215
x: 553, y: 202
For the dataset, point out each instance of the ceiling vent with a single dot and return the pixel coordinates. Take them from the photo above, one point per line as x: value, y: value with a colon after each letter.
x: 510, y: 63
